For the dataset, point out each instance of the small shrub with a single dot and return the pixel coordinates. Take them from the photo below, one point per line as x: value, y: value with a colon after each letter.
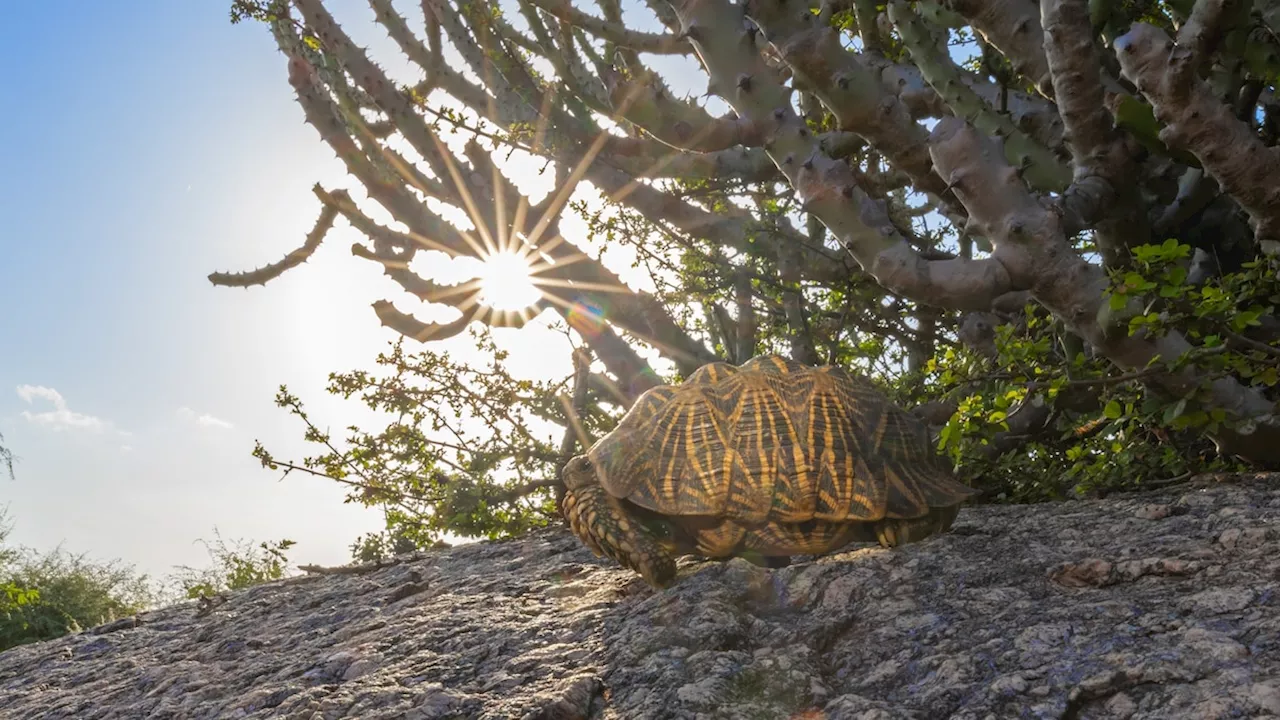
x: 235, y: 567
x: 45, y: 596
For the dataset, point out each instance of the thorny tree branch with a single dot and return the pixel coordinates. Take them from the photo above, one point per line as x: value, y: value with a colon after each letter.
x: 1024, y: 172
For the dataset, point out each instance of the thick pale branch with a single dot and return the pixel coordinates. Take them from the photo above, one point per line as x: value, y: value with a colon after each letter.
x: 383, y: 183
x: 1195, y: 120
x: 826, y: 186
x: 956, y: 284
x: 1074, y: 64
x: 1033, y: 114
x: 389, y: 99
x: 1041, y: 168
x: 398, y: 29
x: 852, y: 91
x: 731, y: 227
x: 450, y: 241
x: 1203, y: 31
x: 646, y: 102
x: 295, y: 257
x: 1105, y: 187
x: 1030, y: 242
x: 411, y: 327
x: 1012, y: 27
x: 616, y: 33
x: 747, y: 164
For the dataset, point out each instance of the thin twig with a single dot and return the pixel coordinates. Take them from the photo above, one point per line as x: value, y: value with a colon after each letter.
x: 1234, y: 338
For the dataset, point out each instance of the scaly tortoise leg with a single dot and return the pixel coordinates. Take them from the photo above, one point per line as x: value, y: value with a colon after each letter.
x: 602, y: 523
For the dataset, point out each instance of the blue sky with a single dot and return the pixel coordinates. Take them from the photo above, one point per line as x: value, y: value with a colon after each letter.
x: 144, y: 144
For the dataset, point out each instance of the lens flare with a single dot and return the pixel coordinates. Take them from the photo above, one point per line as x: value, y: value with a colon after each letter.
x: 506, y: 283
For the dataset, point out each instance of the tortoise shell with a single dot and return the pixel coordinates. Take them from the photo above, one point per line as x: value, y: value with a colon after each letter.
x: 775, y: 457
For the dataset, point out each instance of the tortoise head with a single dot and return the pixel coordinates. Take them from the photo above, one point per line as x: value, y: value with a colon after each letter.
x: 612, y: 529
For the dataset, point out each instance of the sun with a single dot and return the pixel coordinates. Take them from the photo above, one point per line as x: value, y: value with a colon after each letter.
x: 506, y: 282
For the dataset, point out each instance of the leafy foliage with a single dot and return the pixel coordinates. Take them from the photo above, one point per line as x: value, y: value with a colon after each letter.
x: 1107, y: 431
x: 468, y: 451
x: 47, y: 595
x: 6, y: 458
x: 738, y: 265
x: 235, y: 566
x: 44, y: 596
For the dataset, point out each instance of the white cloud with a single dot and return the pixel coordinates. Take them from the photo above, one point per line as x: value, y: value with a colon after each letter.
x: 203, y: 419
x: 126, y: 448
x: 60, y: 417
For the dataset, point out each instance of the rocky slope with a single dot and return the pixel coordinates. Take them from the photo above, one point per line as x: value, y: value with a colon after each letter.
x: 1159, y: 605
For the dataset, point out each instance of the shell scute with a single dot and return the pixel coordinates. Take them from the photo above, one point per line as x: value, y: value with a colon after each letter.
x: 648, y: 404
x: 764, y: 435
x: 711, y: 373
x: 692, y: 467
x: 774, y: 364
x: 792, y: 453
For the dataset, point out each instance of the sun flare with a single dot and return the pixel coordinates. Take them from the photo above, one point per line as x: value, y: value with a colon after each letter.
x: 506, y: 282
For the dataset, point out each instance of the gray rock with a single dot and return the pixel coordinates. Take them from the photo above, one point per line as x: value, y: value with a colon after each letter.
x: 1154, y: 605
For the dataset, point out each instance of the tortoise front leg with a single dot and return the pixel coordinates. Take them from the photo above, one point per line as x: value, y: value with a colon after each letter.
x: 603, y: 524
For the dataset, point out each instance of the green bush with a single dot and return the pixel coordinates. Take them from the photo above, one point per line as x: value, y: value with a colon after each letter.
x: 235, y: 566
x: 1103, y: 431
x: 47, y: 595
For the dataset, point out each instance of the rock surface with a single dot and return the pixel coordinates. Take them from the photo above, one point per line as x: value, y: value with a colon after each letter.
x: 1156, y: 605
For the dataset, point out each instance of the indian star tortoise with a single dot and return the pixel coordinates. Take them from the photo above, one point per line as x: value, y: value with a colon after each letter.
x: 765, y: 460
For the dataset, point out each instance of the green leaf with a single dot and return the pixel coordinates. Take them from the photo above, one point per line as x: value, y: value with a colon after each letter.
x: 1113, y: 411
x: 1172, y: 412
x: 1138, y: 118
